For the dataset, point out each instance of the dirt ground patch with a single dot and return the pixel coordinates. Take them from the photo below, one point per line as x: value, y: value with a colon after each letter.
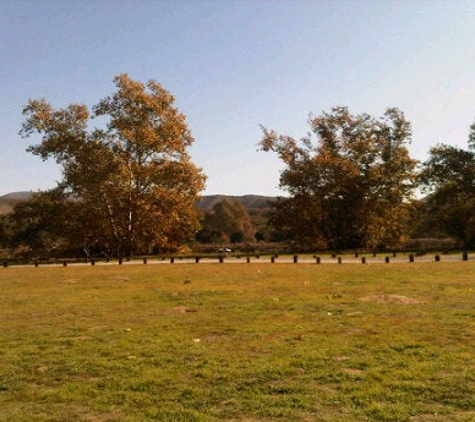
x: 387, y: 298
x: 183, y: 309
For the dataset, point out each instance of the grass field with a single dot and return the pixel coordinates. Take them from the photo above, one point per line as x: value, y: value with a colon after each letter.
x: 255, y: 342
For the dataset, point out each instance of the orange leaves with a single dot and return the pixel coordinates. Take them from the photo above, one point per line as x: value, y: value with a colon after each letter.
x: 126, y: 172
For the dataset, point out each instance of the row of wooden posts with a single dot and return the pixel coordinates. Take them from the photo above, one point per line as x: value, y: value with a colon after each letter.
x: 273, y: 258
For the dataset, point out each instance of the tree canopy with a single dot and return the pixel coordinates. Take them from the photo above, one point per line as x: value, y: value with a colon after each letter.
x: 347, y: 180
x: 228, y: 221
x: 133, y: 177
x: 448, y: 178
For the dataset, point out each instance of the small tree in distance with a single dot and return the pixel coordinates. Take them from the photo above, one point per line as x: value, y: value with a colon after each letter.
x: 228, y: 221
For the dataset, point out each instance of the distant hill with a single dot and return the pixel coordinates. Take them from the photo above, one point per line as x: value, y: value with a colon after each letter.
x: 8, y: 201
x: 16, y: 196
x: 254, y: 203
x: 207, y: 202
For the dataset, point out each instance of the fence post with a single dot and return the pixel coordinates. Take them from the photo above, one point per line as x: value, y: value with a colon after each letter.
x: 386, y: 260
x: 248, y: 259
x: 465, y: 256
x: 317, y: 260
x: 221, y: 259
x: 437, y: 258
x: 296, y: 259
x: 197, y: 260
x: 144, y: 260
x: 339, y: 260
x: 65, y: 263
x: 36, y: 263
x: 411, y: 258
x: 120, y: 260
x: 172, y: 260
x: 272, y: 259
x: 363, y: 260
x: 5, y: 264
x: 93, y: 262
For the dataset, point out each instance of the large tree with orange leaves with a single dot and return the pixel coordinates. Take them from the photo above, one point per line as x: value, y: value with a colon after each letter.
x: 347, y: 180
x: 132, y: 177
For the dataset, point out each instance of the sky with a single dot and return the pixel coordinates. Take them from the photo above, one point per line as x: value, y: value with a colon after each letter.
x: 234, y: 65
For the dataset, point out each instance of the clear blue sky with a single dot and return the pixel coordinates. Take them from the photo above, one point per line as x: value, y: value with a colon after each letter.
x: 235, y: 64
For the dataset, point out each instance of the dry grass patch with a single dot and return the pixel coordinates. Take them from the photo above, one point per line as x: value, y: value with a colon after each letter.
x: 388, y: 298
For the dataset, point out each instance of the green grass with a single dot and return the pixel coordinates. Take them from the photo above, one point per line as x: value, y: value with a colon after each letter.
x: 256, y: 342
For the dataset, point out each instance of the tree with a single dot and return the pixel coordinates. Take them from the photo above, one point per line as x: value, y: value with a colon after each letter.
x: 133, y: 178
x: 4, y: 236
x: 347, y: 187
x: 40, y: 224
x: 448, y: 178
x: 228, y: 221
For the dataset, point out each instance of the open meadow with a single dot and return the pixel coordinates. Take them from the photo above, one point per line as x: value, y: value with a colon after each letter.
x: 256, y: 342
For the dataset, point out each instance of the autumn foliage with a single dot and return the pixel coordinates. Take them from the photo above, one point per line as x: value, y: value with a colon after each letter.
x: 347, y: 180
x: 130, y: 187
x: 130, y: 183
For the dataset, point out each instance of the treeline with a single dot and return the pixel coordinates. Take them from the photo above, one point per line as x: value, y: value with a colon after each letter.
x: 129, y: 187
x: 352, y: 184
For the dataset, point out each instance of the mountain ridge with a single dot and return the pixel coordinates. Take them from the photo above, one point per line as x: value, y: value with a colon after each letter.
x: 16, y: 195
x: 204, y: 203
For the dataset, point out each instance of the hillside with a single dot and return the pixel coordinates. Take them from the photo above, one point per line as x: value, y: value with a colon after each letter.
x: 254, y: 203
x: 250, y: 201
x: 13, y: 196
x: 8, y: 201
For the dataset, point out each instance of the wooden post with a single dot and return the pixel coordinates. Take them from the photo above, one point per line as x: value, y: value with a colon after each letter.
x: 411, y: 258
x: 437, y: 258
x: 465, y: 256
x: 248, y: 259
x: 65, y: 263
x: 36, y: 263
x: 386, y: 260
x: 221, y: 259
x: 5, y: 264
x: 120, y: 260
x: 93, y: 262
x: 172, y: 260
x: 317, y: 260
x: 272, y: 259
x: 363, y: 260
x: 197, y: 260
x: 339, y: 260
x: 145, y: 260
x: 296, y: 259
